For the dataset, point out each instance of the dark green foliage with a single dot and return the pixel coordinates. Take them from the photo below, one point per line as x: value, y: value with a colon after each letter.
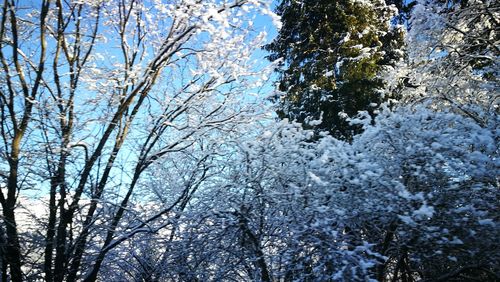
x: 332, y: 54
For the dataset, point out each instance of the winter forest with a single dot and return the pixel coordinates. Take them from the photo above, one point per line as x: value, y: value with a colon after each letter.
x: 249, y: 140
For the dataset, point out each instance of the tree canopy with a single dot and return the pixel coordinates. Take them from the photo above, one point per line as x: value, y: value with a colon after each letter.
x: 333, y: 53
x: 138, y: 142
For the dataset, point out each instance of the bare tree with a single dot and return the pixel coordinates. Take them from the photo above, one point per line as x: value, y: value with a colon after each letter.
x: 93, y: 93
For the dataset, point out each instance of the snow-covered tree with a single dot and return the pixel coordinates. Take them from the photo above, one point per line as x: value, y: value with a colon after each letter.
x: 453, y: 58
x: 134, y: 149
x: 95, y: 92
x: 332, y: 53
x: 414, y: 197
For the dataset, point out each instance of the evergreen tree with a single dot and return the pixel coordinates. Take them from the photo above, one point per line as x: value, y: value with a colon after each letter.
x: 333, y: 52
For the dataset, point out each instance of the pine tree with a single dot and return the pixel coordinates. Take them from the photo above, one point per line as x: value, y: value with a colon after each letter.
x: 333, y: 51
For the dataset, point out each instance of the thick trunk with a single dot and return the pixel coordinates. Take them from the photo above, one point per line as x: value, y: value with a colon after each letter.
x: 61, y: 258
x: 13, y: 248
x: 3, y: 254
x: 51, y: 231
x: 389, y: 236
x: 81, y: 242
x: 251, y: 242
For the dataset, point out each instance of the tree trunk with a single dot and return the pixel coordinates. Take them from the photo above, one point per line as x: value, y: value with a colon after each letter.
x: 13, y: 248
